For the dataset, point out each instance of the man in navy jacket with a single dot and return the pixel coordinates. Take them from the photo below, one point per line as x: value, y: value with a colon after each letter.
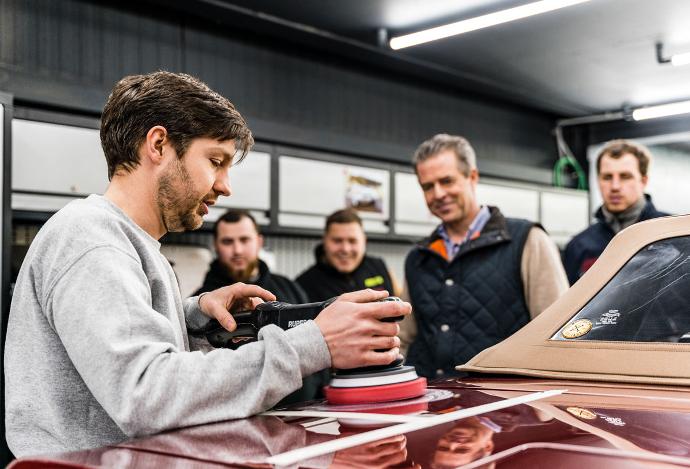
x: 622, y: 168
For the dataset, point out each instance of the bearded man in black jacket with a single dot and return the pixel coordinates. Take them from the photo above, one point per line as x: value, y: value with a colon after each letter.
x: 342, y: 264
x: 237, y: 242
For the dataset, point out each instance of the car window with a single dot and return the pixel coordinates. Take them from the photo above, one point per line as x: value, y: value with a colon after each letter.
x: 648, y: 300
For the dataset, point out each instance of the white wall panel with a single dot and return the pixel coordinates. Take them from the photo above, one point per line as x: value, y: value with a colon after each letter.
x: 409, y: 201
x: 515, y: 202
x: 320, y: 188
x: 57, y: 158
x: 250, y: 183
x: 39, y: 203
x: 563, y: 215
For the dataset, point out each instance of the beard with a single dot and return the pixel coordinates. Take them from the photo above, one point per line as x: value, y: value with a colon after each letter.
x: 246, y: 274
x: 178, y: 202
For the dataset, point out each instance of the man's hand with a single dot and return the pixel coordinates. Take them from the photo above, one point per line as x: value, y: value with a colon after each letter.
x: 354, y: 332
x: 220, y: 304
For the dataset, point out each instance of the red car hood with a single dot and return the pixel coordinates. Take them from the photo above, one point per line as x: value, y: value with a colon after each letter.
x: 590, y: 425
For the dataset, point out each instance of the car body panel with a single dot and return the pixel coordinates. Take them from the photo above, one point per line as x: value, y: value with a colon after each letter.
x: 599, y: 424
x: 634, y: 253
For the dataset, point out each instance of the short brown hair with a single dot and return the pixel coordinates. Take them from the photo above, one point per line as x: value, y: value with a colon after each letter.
x: 184, y: 105
x: 234, y: 215
x: 460, y: 146
x: 617, y: 148
x: 343, y: 216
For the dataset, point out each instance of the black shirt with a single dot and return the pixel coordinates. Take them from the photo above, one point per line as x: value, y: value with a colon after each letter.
x: 322, y: 281
x: 283, y: 288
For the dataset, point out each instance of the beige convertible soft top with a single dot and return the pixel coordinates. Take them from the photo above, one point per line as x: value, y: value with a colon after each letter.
x: 554, y: 344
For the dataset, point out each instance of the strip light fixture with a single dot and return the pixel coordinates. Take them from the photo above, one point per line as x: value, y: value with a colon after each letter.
x: 675, y: 60
x: 480, y: 22
x: 680, y: 59
x: 663, y: 110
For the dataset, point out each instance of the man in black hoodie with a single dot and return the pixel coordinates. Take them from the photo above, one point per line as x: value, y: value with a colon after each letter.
x: 342, y: 264
x: 237, y: 241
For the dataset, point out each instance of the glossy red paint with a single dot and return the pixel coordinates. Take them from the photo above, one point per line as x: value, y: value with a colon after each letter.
x: 592, y: 425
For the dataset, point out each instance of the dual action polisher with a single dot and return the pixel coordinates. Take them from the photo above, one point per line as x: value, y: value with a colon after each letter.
x: 371, y: 384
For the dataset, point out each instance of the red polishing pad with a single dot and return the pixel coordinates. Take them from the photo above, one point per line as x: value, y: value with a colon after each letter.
x: 372, y: 394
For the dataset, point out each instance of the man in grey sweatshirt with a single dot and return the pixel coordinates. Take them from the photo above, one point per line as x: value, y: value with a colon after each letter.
x: 97, y: 349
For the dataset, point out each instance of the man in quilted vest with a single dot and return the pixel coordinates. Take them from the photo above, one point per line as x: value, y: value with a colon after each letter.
x: 479, y: 276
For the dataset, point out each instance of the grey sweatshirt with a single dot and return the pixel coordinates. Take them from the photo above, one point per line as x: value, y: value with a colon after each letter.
x: 97, y: 348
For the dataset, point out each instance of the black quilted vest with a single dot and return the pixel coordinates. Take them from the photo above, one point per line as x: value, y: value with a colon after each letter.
x: 471, y: 303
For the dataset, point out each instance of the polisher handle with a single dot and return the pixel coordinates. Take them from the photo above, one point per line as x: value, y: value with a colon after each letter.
x: 284, y: 315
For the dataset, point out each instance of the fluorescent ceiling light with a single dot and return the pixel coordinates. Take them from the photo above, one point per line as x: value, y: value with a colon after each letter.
x: 472, y: 24
x: 664, y: 110
x: 680, y: 59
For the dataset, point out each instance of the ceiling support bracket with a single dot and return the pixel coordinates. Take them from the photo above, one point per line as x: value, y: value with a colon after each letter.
x: 660, y: 54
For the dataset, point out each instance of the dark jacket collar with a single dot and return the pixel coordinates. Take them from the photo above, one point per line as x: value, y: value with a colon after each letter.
x: 496, y: 224
x: 649, y: 211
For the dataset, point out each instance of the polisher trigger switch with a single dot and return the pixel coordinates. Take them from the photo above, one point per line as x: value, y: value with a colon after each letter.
x: 394, y: 318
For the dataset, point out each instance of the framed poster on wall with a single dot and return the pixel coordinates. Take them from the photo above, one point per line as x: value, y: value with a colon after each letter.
x: 311, y: 189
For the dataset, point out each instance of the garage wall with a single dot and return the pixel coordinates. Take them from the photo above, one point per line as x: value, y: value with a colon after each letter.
x: 68, y: 54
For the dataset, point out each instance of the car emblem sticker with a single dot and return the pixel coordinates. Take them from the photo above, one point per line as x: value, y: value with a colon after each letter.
x: 609, y: 318
x: 617, y: 421
x: 577, y: 329
x: 582, y: 413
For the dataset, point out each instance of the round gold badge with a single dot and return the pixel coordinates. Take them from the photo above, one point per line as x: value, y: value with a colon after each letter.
x: 577, y: 329
x: 582, y: 413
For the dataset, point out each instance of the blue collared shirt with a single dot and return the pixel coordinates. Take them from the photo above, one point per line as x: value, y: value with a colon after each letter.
x: 475, y: 228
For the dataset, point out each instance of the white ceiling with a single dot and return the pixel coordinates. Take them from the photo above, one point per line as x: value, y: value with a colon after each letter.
x: 589, y: 58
